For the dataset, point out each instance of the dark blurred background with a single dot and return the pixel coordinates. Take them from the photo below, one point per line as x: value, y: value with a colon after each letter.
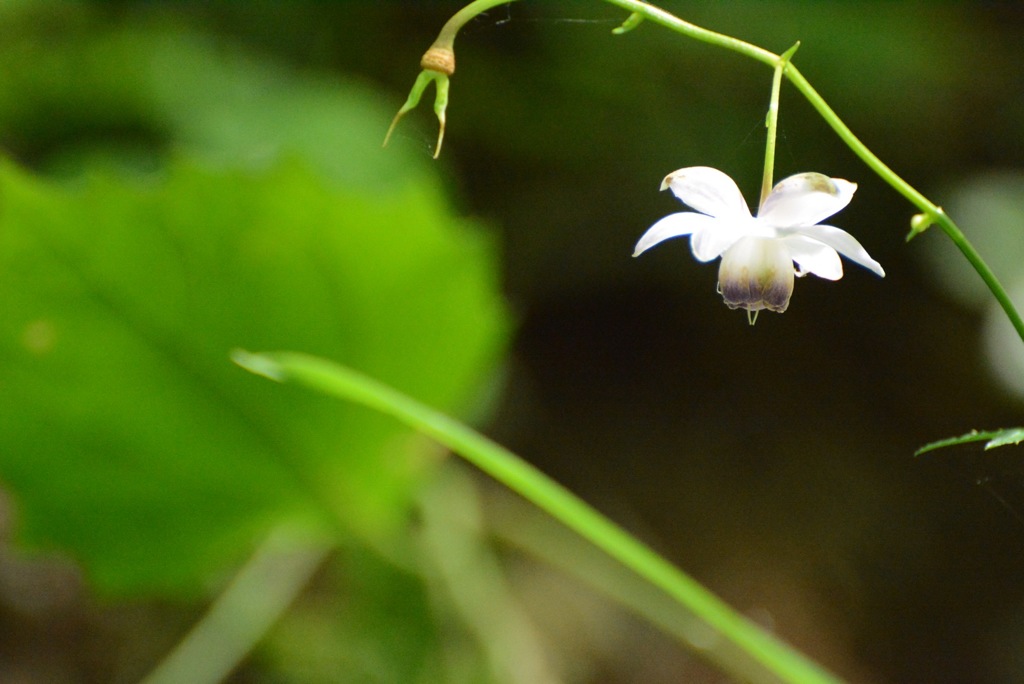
x: 775, y: 462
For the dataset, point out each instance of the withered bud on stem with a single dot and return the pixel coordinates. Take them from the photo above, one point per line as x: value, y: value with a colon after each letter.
x: 439, y: 59
x: 438, y: 64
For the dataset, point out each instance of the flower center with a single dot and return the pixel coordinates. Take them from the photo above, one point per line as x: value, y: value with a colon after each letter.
x: 756, y: 273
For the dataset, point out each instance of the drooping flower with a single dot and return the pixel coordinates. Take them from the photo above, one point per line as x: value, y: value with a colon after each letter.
x: 761, y: 254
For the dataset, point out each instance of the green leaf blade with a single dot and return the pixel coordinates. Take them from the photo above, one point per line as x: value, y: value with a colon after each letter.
x: 992, y: 439
x: 1006, y: 437
x: 127, y: 437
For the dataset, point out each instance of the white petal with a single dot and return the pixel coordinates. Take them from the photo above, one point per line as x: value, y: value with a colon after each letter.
x: 721, y: 234
x: 805, y: 199
x: 845, y: 244
x: 709, y: 191
x: 674, y: 225
x: 814, y: 257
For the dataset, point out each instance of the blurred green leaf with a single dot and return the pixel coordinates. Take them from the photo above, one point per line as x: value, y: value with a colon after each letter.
x: 375, y: 625
x: 129, y: 93
x: 126, y: 435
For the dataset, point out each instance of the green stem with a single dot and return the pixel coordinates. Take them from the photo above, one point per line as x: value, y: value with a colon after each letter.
x: 773, y: 124
x: 974, y: 258
x: 860, y: 149
x: 466, y: 568
x: 446, y: 38
x: 660, y: 16
x: 242, y: 615
x: 676, y: 24
x: 522, y: 478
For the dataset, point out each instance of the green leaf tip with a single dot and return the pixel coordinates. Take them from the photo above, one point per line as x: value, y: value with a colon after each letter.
x: 259, y: 364
x: 632, y: 21
x: 992, y: 439
x: 788, y: 54
x: 1006, y: 437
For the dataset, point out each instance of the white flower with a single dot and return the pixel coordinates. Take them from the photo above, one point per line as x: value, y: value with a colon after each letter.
x: 758, y: 252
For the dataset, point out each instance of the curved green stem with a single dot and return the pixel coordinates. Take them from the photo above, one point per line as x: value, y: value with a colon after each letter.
x: 774, y: 656
x: 446, y: 38
x: 242, y: 615
x: 671, y: 21
x: 932, y: 212
x: 872, y: 161
x: 676, y: 24
x: 974, y: 258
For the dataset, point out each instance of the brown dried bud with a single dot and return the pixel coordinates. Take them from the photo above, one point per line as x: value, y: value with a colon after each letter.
x: 440, y: 59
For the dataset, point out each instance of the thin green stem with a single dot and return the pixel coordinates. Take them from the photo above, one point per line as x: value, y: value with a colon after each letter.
x: 668, y: 20
x: 446, y: 38
x: 773, y: 124
x: 660, y: 16
x: 880, y: 168
x: 972, y: 256
x: 242, y: 615
x: 522, y: 478
x: 466, y: 569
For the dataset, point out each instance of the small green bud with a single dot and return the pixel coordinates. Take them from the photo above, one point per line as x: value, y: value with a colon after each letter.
x: 632, y: 21
x: 918, y: 224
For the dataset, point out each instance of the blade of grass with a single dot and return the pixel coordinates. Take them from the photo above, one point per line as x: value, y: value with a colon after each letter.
x: 778, y: 660
x: 245, y: 611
